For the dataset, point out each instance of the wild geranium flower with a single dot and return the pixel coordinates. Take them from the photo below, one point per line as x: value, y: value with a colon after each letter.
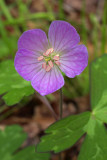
x: 41, y: 60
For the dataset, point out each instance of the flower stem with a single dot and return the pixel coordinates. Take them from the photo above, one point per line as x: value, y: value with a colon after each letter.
x: 60, y: 114
x: 46, y: 102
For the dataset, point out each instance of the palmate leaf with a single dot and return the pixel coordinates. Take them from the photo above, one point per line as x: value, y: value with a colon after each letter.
x: 12, y: 84
x: 11, y: 139
x: 98, y: 81
x: 64, y: 133
x: 95, y: 144
x: 99, y: 88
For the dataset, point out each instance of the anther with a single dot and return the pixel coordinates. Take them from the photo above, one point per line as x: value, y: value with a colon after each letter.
x: 40, y: 58
x: 44, y: 65
x: 50, y: 64
x: 49, y: 51
x: 48, y: 68
x: 56, y: 58
x: 57, y: 62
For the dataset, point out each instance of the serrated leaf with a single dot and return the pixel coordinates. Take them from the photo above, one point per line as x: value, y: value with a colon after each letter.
x: 98, y: 80
x: 11, y: 139
x: 12, y: 84
x: 95, y: 145
x: 64, y: 133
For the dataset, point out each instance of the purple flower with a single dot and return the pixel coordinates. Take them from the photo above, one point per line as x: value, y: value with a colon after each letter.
x: 41, y: 60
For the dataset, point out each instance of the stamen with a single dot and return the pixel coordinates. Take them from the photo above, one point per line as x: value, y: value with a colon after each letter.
x: 50, y: 64
x: 48, y: 68
x: 44, y: 65
x: 40, y: 58
x: 57, y: 62
x: 56, y: 58
x: 49, y: 51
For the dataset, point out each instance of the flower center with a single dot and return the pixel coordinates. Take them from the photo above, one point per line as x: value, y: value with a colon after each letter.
x: 50, y: 59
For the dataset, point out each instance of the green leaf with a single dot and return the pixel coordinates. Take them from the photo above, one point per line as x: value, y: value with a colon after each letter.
x: 99, y: 88
x: 12, y: 84
x: 98, y: 80
x: 101, y: 114
x: 95, y: 145
x: 64, y: 133
x: 11, y: 139
x: 29, y: 153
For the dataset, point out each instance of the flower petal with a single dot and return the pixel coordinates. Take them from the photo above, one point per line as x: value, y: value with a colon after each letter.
x: 48, y: 82
x: 26, y: 63
x: 35, y: 40
x: 62, y: 36
x: 75, y: 61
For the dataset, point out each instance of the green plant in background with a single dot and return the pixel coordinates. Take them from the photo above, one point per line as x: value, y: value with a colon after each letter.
x: 8, y: 40
x: 11, y: 138
x: 12, y: 86
x: 64, y: 133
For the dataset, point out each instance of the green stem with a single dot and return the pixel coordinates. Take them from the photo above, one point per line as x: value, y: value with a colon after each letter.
x: 103, y: 29
x: 61, y: 11
x: 45, y: 101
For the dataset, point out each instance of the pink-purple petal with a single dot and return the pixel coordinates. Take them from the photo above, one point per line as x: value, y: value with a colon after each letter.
x: 26, y: 63
x: 62, y: 36
x: 48, y: 82
x: 74, y: 61
x: 35, y: 40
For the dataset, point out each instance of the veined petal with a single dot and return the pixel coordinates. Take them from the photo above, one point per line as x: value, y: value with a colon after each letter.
x: 62, y: 36
x: 26, y: 63
x: 47, y: 82
x: 74, y: 62
x: 35, y: 40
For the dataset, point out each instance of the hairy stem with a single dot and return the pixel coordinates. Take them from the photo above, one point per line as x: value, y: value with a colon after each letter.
x: 46, y: 102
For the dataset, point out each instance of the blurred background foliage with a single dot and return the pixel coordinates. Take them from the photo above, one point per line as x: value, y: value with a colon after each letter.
x: 89, y: 17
